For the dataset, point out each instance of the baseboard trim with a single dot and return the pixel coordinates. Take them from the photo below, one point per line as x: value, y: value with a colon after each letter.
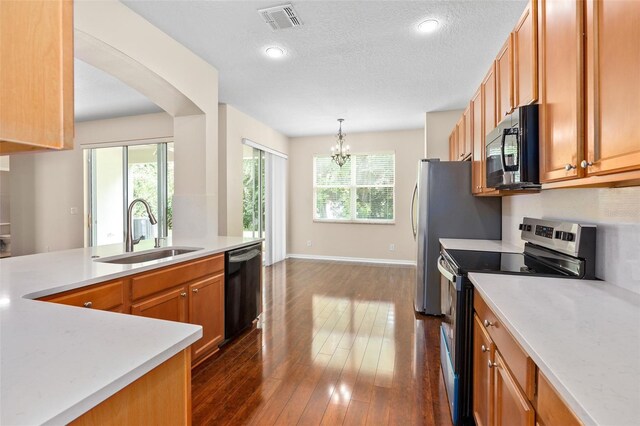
x: 352, y: 259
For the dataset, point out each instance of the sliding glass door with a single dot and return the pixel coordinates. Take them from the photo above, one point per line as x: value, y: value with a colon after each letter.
x: 119, y: 175
x: 253, y: 194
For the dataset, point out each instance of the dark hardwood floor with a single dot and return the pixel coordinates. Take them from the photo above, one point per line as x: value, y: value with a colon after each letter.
x: 337, y: 343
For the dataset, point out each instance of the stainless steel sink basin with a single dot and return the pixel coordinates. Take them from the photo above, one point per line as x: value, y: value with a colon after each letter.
x: 156, y: 254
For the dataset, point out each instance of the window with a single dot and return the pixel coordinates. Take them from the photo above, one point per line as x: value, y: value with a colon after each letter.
x: 363, y: 190
x: 117, y: 176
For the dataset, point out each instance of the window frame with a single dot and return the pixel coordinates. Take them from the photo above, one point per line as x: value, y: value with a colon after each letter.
x: 353, y: 187
x: 162, y: 156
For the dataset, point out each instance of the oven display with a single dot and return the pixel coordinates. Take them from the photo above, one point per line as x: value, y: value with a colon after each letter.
x: 544, y: 231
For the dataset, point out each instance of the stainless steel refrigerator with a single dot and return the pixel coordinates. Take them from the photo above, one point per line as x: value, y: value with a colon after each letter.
x: 443, y: 207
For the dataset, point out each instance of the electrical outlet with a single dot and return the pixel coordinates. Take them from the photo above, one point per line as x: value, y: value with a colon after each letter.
x: 309, y: 243
x: 392, y: 247
x: 73, y: 210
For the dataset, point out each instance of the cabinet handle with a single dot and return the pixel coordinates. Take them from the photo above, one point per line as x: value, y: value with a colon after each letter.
x: 584, y: 164
x: 487, y: 323
x: 183, y: 294
x: 483, y: 348
x: 87, y: 304
x: 568, y: 167
x: 492, y: 364
x: 195, y: 290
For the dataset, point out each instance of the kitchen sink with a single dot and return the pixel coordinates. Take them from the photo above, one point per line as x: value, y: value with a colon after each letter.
x: 156, y: 254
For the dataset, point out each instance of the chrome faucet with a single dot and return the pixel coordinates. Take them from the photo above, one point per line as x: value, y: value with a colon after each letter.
x: 130, y: 242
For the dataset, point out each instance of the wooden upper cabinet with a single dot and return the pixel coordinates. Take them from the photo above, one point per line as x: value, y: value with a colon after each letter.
x: 613, y: 86
x: 206, y: 308
x: 525, y: 57
x: 477, y: 144
x: 489, y: 100
x: 453, y: 146
x: 36, y: 75
x: 504, y: 81
x: 561, y: 89
x: 460, y: 139
x: 467, y: 132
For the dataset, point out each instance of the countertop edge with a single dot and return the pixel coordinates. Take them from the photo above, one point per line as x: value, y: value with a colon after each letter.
x: 145, y: 267
x: 101, y: 395
x: 569, y: 398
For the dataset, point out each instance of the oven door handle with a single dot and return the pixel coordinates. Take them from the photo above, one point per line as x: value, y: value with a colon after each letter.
x: 444, y: 271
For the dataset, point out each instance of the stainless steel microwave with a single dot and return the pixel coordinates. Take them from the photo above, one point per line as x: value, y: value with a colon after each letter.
x: 511, y: 151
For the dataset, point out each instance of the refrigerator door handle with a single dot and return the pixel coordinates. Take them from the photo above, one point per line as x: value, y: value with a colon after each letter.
x: 413, y: 217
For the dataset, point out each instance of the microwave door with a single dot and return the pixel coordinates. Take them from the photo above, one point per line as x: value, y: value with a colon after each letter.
x: 509, y: 150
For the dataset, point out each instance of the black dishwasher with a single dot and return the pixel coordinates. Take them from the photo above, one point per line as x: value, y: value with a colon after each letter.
x: 242, y: 294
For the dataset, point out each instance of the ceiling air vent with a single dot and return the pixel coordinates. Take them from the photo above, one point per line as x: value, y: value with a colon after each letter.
x: 280, y: 17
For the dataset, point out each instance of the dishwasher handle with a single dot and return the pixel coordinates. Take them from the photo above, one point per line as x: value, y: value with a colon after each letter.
x: 244, y: 256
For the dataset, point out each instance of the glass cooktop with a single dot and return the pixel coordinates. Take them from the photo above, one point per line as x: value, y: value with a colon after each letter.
x: 502, y: 263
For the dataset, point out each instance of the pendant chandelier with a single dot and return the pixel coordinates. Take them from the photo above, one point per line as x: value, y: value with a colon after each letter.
x: 340, y: 152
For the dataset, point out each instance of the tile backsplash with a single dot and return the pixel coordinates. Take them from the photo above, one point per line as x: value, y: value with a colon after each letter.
x: 616, y: 212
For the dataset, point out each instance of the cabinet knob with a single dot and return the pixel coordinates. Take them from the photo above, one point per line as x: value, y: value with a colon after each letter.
x: 492, y: 364
x: 183, y: 294
x: 487, y: 323
x: 87, y: 304
x: 195, y: 290
x: 584, y: 164
x: 483, y: 348
x: 568, y: 167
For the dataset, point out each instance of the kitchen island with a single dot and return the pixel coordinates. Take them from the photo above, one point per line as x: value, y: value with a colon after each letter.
x: 56, y: 361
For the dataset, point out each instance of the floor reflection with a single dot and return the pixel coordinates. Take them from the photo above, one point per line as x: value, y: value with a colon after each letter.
x: 336, y: 344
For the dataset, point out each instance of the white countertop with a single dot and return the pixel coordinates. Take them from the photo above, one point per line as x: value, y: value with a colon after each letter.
x: 57, y: 361
x: 583, y: 335
x: 479, y: 245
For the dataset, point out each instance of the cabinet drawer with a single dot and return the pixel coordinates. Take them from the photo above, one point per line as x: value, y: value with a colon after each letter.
x: 147, y: 284
x: 101, y: 296
x: 522, y: 367
x: 550, y: 408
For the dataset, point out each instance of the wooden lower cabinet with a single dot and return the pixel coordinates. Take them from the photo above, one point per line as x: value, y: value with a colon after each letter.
x: 507, y: 390
x: 206, y: 308
x: 511, y: 405
x: 190, y: 292
x: 169, y: 305
x: 160, y: 397
x: 482, y: 377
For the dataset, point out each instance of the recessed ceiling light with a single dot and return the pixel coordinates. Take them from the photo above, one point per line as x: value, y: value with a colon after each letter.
x: 274, y: 52
x: 428, y: 26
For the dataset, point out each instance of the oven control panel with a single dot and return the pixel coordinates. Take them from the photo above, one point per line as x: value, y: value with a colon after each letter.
x: 566, y: 237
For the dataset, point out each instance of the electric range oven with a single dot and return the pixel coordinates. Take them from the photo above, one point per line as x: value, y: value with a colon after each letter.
x: 552, y: 249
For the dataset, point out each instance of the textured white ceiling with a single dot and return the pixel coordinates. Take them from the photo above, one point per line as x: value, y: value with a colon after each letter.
x: 360, y: 60
x: 99, y: 95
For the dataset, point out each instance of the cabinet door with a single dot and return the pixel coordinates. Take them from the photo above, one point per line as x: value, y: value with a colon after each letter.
x: 477, y: 138
x: 467, y: 132
x: 482, y: 377
x: 206, y: 308
x: 460, y: 138
x: 453, y: 146
x: 489, y: 100
x: 36, y: 76
x: 613, y: 86
x: 525, y: 57
x: 504, y: 81
x: 511, y: 405
x: 561, y: 92
x: 170, y: 305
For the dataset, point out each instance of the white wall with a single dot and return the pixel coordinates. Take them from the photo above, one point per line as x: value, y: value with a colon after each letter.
x: 116, y: 26
x: 234, y: 126
x: 616, y: 212
x: 437, y: 128
x: 353, y: 240
x: 46, y: 185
